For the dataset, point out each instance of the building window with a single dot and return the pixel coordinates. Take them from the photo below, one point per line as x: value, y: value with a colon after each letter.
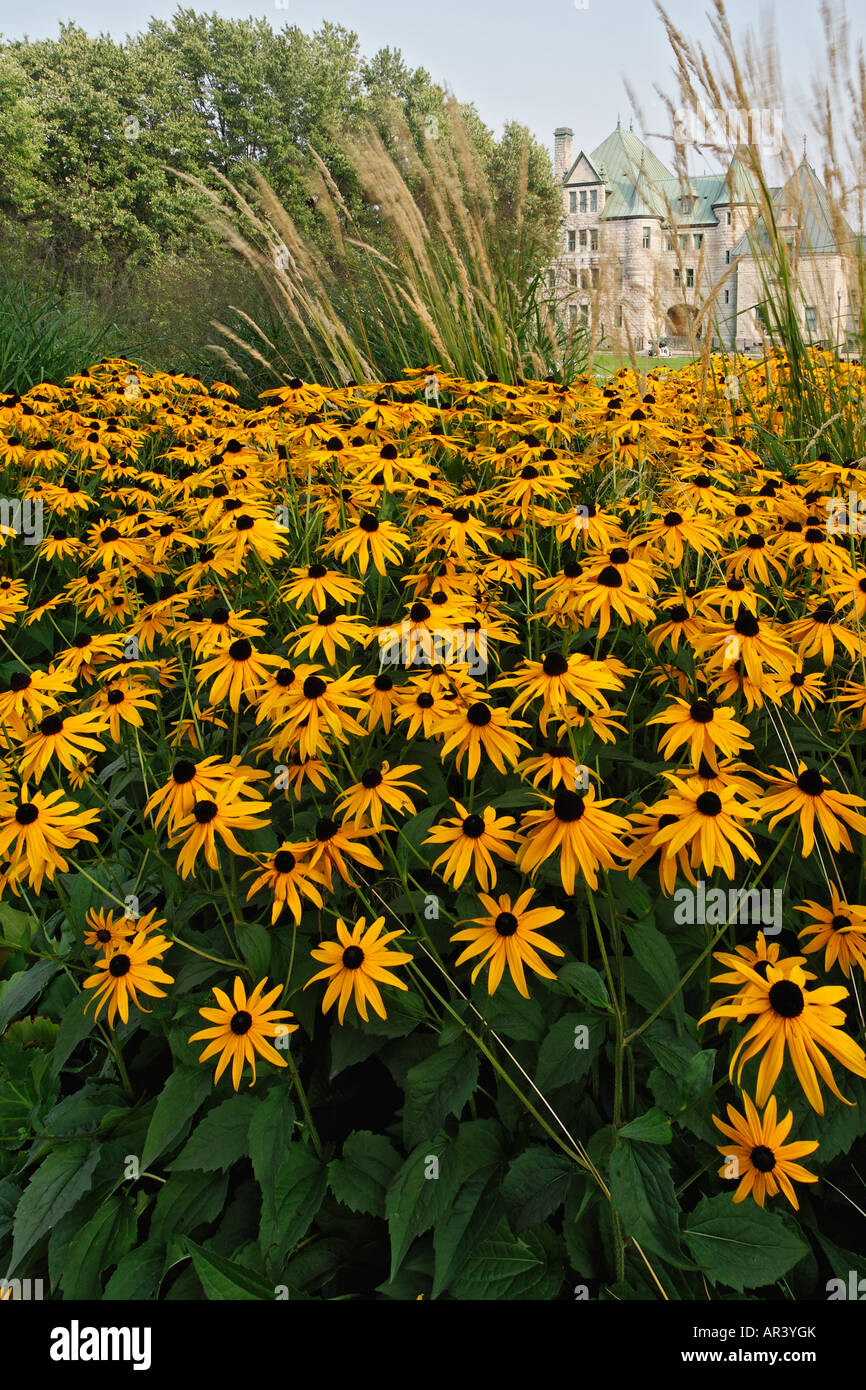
x: 684, y: 242
x: 727, y: 258
x: 676, y: 276
x: 698, y: 240
x: 593, y: 241
x: 594, y: 273
x: 572, y: 241
x: 584, y: 279
x: 686, y: 205
x: 583, y: 239
x: 618, y: 318
x: 572, y: 202
x: 727, y: 296
x: 638, y: 342
x: 584, y: 315
x: 572, y: 314
x: 670, y: 244
x: 690, y: 278
x: 728, y: 216
x: 572, y: 279
x: 647, y: 238
x: 811, y: 319
x: 583, y: 200
x: 593, y: 200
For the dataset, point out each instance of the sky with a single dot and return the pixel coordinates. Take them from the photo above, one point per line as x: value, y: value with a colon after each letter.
x: 545, y: 63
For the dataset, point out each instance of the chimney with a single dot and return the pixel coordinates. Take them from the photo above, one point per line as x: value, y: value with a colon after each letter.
x: 562, y: 153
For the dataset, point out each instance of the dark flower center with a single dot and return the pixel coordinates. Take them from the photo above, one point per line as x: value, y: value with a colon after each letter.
x: 473, y: 826
x: 567, y: 805
x: 383, y: 683
x: 709, y: 804
x: 554, y: 664
x: 115, y: 697
x: 619, y: 555
x: 285, y: 676
x: 205, y: 811
x: 840, y: 921
x: 506, y: 924
x: 702, y: 711
x: 479, y: 715
x: 610, y: 577
x: 419, y: 612
x: 672, y: 519
x: 51, y: 725
x: 763, y: 1159
x: 326, y: 829
x: 183, y: 772
x: 746, y: 624
x: 284, y: 861
x: 241, y: 650
x: 353, y: 956
x: 425, y: 700
x: 27, y: 814
x: 119, y: 965
x: 786, y: 999
x: 371, y: 778
x: 369, y: 523
x: 241, y: 1023
x: 317, y: 571
x: 811, y: 782
x: 314, y: 686
x: 679, y: 613
x: 20, y: 681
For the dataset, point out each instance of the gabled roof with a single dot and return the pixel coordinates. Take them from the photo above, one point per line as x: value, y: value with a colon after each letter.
x: 738, y: 185
x: 802, y: 200
x: 583, y: 155
x: 618, y: 159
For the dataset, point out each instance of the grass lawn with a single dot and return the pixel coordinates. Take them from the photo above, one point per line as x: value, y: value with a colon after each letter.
x: 606, y: 363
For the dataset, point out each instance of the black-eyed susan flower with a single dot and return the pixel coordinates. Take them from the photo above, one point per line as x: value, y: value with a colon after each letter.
x: 472, y: 841
x: 67, y: 737
x: 239, y: 670
x: 356, y: 964
x: 379, y: 788
x: 707, y: 822
x: 585, y: 833
x: 759, y: 1157
x: 789, y: 1017
x: 334, y: 844
x: 509, y: 936
x: 36, y: 829
x: 809, y: 795
x: 289, y: 877
x: 705, y: 727
x: 480, y: 727
x: 125, y: 972
x: 839, y: 930
x: 241, y: 1028
x: 219, y: 813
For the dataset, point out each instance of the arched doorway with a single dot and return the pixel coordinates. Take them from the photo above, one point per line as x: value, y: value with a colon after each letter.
x: 681, y: 320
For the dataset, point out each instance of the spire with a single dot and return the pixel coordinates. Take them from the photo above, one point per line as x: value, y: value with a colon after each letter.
x: 804, y: 149
x: 617, y: 121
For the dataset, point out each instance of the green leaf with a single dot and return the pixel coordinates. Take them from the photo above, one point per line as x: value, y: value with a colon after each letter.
x: 419, y: 1195
x: 255, y: 943
x: 439, y: 1086
x: 58, y: 1183
x: 16, y: 928
x: 563, y: 1059
x: 536, y: 1185
x: 22, y: 989
x: 654, y: 1127
x: 138, y: 1275
x: 361, y: 1178
x: 742, y: 1245
x: 478, y: 1155
x: 511, y: 1268
x: 101, y: 1243
x: 75, y: 1025
x: 269, y: 1138
x: 181, y: 1096
x: 302, y: 1181
x: 586, y: 982
x: 185, y: 1202
x: 223, y: 1280
x: 655, y: 955
x: 642, y: 1192
x: 220, y: 1138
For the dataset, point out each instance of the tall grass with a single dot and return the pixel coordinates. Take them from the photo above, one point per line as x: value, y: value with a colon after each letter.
x: 443, y: 285
x: 46, y: 333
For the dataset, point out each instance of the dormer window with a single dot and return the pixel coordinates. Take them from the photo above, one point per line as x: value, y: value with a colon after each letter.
x: 686, y: 205
x: 593, y: 200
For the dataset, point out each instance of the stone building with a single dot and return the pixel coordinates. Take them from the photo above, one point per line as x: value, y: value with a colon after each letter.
x: 649, y: 256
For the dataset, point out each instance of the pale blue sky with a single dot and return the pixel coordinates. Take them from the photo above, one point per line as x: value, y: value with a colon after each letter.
x: 543, y: 62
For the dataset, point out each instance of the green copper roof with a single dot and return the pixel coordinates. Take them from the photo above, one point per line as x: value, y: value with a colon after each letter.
x: 804, y: 200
